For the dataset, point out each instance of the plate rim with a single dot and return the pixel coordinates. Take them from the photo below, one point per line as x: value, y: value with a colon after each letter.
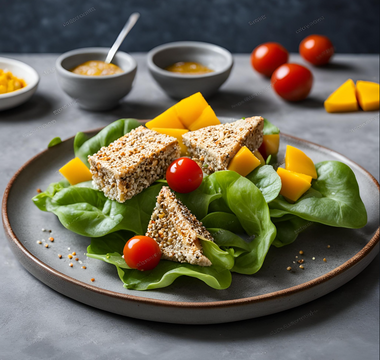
x: 357, y: 258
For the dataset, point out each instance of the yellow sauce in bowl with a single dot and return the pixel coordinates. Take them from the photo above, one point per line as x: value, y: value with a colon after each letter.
x: 189, y: 68
x: 96, y: 68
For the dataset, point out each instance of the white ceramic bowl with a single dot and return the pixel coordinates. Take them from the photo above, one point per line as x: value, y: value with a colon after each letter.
x: 22, y: 71
x: 95, y: 92
x: 179, y: 86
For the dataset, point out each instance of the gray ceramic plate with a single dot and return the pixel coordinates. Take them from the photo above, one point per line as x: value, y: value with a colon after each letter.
x: 187, y: 301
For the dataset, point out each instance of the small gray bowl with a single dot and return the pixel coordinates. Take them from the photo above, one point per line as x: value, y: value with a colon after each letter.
x: 95, y: 92
x: 179, y: 86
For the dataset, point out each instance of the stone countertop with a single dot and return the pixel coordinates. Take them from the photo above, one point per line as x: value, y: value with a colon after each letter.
x: 39, y: 323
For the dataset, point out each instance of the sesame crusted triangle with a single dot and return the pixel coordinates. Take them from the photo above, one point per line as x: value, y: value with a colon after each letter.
x: 177, y: 231
x: 213, y: 147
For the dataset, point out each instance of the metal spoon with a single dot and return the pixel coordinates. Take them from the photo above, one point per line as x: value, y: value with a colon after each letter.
x: 126, y: 29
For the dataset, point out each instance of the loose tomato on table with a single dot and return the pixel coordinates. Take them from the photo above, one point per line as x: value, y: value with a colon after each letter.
x: 184, y: 175
x: 292, y: 82
x: 316, y: 49
x: 267, y: 57
x: 142, y: 253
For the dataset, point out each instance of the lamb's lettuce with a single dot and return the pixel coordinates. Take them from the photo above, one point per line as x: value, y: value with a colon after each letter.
x: 109, y: 249
x: 333, y: 199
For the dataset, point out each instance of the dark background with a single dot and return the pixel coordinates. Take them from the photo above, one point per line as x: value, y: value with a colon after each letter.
x: 32, y: 26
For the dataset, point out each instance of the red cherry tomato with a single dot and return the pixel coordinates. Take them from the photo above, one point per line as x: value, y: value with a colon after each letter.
x: 292, y: 82
x: 316, y: 49
x: 184, y: 175
x: 142, y: 253
x: 267, y: 57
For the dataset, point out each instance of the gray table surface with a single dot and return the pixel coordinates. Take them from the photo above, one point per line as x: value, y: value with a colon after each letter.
x: 39, y: 323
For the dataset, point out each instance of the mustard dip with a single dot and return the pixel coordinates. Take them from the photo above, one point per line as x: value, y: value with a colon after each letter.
x: 189, y: 68
x: 96, y: 68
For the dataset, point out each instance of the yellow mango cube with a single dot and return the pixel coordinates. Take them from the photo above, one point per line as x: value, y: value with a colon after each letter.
x: 367, y: 93
x: 342, y: 99
x: 177, y: 133
x: 259, y: 156
x: 168, y: 119
x: 296, y: 160
x: 293, y: 185
x: 207, y: 118
x: 75, y: 171
x: 244, y: 162
x: 270, y: 145
x: 189, y: 109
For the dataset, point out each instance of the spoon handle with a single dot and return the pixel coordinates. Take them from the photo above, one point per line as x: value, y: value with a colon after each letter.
x: 126, y: 29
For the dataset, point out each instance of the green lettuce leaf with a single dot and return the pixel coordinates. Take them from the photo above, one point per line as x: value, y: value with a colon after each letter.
x: 333, y: 199
x: 267, y: 180
x: 85, y: 146
x: 269, y: 128
x: 109, y: 249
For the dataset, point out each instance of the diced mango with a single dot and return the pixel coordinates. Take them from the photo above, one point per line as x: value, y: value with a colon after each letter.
x: 342, y: 99
x: 177, y: 133
x: 293, y: 185
x: 207, y: 118
x: 297, y: 161
x: 189, y: 109
x: 168, y: 119
x: 75, y: 171
x: 259, y: 156
x: 270, y: 145
x: 367, y: 93
x: 244, y: 162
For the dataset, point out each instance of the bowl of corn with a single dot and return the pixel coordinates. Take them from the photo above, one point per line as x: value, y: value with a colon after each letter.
x: 18, y: 82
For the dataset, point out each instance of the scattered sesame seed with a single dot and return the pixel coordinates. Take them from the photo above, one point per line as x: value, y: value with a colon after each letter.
x: 68, y: 249
x: 313, y: 258
x: 301, y: 261
x: 302, y: 267
x: 328, y: 246
x: 43, y: 230
x: 51, y: 239
x: 324, y: 259
x: 76, y: 259
x: 74, y: 253
x: 84, y: 267
x: 70, y: 256
x: 92, y: 279
x: 289, y: 268
x: 39, y: 242
x: 294, y: 262
x: 80, y: 262
x: 60, y: 256
x: 71, y: 265
x: 301, y: 252
x: 39, y: 190
x: 46, y: 245
x: 296, y: 257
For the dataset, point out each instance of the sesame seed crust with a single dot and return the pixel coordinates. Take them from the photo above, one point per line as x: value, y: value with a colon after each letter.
x: 176, y: 231
x: 213, y: 147
x: 132, y: 163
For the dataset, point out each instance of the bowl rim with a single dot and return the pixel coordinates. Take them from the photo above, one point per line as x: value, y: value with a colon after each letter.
x: 29, y: 87
x: 101, y: 50
x: 197, y: 44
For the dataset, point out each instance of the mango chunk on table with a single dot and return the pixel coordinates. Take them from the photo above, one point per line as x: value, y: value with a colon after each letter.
x: 244, y: 162
x: 75, y: 171
x: 270, y: 145
x: 168, y: 119
x: 177, y: 133
x: 342, y: 99
x: 296, y: 160
x: 189, y: 109
x: 367, y: 93
x: 207, y: 118
x: 294, y: 185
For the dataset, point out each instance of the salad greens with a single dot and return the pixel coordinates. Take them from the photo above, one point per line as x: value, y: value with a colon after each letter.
x: 245, y: 215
